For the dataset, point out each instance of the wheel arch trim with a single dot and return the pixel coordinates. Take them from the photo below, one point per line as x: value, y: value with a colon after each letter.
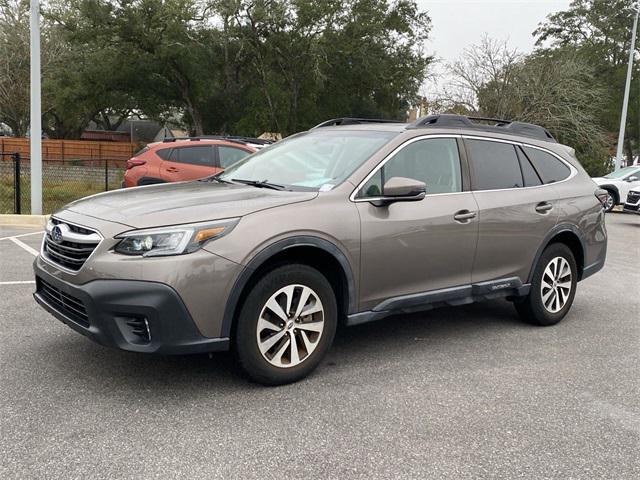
x: 612, y: 187
x: 269, y: 252
x: 553, y: 233
x: 149, y: 180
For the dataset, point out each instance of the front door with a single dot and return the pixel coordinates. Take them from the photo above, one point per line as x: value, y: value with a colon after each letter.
x: 416, y: 247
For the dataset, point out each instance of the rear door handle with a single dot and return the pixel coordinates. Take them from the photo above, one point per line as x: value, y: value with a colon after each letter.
x: 172, y: 169
x: 464, y: 216
x: 544, y: 207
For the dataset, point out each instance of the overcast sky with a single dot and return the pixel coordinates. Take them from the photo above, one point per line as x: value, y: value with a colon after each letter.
x: 457, y: 24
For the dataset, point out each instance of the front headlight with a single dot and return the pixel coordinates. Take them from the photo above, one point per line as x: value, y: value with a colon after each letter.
x: 176, y: 240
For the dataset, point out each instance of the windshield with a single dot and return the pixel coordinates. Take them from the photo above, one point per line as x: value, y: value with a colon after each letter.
x: 311, y: 160
x: 623, y: 172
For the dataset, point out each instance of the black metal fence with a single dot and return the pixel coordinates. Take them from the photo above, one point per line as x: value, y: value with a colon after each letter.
x: 62, y: 181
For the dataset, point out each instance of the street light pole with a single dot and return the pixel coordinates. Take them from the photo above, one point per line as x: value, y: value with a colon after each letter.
x: 36, y: 112
x: 627, y: 88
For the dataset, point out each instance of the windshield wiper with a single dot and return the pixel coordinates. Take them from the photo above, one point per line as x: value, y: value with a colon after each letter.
x: 259, y: 183
x: 214, y: 178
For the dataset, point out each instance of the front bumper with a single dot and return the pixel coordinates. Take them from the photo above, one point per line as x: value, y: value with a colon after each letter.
x: 632, y: 204
x: 630, y: 208
x: 139, y: 316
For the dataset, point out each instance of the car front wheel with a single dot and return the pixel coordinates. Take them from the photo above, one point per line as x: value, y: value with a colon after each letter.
x: 610, y: 201
x: 286, y: 325
x: 552, y: 289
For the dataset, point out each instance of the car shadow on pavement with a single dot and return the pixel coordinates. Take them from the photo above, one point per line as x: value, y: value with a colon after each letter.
x: 392, y: 339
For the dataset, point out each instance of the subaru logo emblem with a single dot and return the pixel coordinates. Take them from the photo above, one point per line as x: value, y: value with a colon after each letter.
x: 56, y: 234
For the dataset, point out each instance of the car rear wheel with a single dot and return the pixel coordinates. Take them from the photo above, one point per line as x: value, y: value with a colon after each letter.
x: 552, y: 289
x: 286, y: 325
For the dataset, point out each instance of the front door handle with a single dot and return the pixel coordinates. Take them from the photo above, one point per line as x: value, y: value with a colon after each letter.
x: 172, y: 170
x: 543, y: 207
x: 464, y: 216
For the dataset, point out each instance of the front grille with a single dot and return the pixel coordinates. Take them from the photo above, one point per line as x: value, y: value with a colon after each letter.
x: 72, y: 248
x: 633, y: 197
x: 69, y: 305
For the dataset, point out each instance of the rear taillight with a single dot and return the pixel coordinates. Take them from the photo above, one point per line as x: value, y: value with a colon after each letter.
x: 135, y: 162
x: 602, y: 195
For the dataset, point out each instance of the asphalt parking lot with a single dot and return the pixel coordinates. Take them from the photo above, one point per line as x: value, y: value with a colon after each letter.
x: 468, y: 392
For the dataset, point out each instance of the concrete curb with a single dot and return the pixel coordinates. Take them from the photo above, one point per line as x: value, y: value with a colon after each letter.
x: 23, y: 220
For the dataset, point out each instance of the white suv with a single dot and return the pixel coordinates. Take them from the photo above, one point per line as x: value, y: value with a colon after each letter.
x: 618, y: 184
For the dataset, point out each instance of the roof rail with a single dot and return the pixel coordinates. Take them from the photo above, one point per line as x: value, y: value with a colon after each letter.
x: 337, y: 122
x: 239, y: 138
x: 484, y: 124
x: 226, y: 138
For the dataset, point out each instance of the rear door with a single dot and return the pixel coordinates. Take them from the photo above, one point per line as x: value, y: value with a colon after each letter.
x: 516, y: 209
x: 189, y: 163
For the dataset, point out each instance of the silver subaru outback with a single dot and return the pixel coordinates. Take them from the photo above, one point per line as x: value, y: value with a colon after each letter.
x: 351, y: 221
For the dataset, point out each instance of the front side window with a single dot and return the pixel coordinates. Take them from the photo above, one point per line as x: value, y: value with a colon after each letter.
x: 310, y: 160
x: 495, y: 165
x: 229, y: 155
x: 435, y: 162
x: 549, y: 167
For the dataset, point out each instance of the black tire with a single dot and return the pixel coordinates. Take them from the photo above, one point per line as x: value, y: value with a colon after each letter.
x: 532, y: 308
x: 247, y: 350
x: 612, y: 201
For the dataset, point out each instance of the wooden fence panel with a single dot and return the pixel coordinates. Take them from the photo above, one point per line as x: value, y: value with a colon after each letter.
x: 70, y: 149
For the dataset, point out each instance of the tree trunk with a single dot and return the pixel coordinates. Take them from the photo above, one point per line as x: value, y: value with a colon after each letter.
x: 185, y: 92
x: 292, y: 126
x: 196, y: 117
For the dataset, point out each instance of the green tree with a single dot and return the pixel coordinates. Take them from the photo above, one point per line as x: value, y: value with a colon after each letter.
x: 600, y: 32
x: 224, y: 66
x: 556, y: 89
x: 307, y: 61
x: 153, y: 52
x: 14, y: 63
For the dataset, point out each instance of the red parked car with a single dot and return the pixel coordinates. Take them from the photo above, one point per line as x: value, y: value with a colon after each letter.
x: 176, y: 160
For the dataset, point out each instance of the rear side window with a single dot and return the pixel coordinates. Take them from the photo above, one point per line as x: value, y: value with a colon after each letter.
x: 194, y: 155
x: 495, y: 165
x: 531, y: 177
x: 230, y: 155
x: 164, y: 153
x: 549, y: 167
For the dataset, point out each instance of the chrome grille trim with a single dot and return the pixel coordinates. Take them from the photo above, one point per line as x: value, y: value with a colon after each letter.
x: 75, y: 246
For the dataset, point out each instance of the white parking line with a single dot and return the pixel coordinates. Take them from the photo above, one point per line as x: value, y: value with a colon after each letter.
x: 22, y: 282
x: 24, y: 246
x: 21, y: 235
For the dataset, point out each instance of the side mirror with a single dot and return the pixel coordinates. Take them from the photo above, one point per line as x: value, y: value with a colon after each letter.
x: 401, y: 189
x: 633, y: 178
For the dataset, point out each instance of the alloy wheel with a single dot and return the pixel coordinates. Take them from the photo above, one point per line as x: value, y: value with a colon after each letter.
x: 290, y: 326
x: 556, y: 284
x: 609, y: 203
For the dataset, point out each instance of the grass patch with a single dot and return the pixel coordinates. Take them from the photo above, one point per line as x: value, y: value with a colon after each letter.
x: 55, y: 193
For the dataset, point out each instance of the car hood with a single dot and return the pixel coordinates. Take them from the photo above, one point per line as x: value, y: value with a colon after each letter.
x: 187, y: 202
x: 602, y: 180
